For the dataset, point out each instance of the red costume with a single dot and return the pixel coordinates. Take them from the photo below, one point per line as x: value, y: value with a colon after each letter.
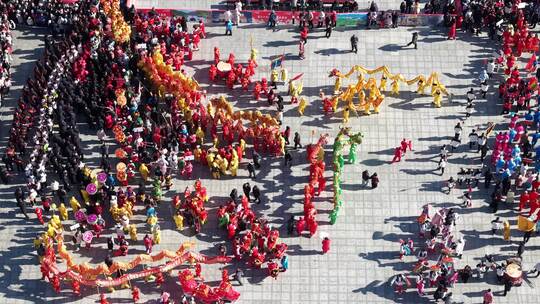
x: 312, y: 225
x: 325, y: 245
x: 216, y: 55
x: 39, y: 214
x: 327, y: 106
x: 55, y: 283
x: 135, y: 294
x: 231, y: 59
x: 212, y: 73
x: 397, y: 155
x: 322, y: 184
x: 273, y: 269
x: 103, y: 299
x: 257, y: 90
x: 452, y: 31
x: 300, y: 226
x: 76, y: 287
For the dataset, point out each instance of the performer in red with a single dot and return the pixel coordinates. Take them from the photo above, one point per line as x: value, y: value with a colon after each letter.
x: 245, y: 83
x: 322, y: 185
x: 148, y: 243
x: 312, y: 225
x: 534, y: 205
x: 196, y: 41
x: 224, y: 276
x: 397, y: 155
x: 257, y: 258
x: 231, y: 79
x: 39, y: 214
x: 523, y: 200
x: 304, y: 34
x: 452, y: 30
x: 103, y: 299
x: 231, y: 60
x: 404, y: 145
x: 198, y: 271
x: 159, y: 279
x: 202, y: 28
x: 216, y: 55
x: 257, y: 90
x: 76, y: 287
x: 135, y: 294
x: 212, y: 73
x: 273, y: 269
x: 300, y: 226
x: 264, y: 85
x: 325, y: 245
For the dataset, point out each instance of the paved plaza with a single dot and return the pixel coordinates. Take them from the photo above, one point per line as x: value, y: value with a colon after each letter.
x: 364, y: 252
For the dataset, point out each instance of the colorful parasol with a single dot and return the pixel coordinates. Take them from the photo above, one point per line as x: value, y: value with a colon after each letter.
x: 92, y: 219
x: 120, y: 167
x: 88, y: 236
x: 91, y: 188
x: 120, y: 153
x: 102, y: 177
x: 80, y: 216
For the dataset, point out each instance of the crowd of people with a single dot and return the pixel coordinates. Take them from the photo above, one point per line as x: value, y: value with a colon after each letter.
x: 334, y: 5
x: 56, y: 14
x: 129, y: 91
x: 512, y: 167
x: 5, y: 52
x: 123, y: 72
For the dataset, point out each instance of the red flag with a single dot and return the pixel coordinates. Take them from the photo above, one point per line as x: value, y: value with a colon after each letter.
x: 297, y: 77
x: 531, y: 64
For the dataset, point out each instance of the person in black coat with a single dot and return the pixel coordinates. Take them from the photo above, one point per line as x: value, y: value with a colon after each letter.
x: 256, y: 194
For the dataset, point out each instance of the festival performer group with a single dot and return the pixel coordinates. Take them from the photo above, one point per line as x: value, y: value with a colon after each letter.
x: 124, y: 72
x: 5, y: 52
x: 154, y: 144
x: 252, y: 237
x: 375, y: 96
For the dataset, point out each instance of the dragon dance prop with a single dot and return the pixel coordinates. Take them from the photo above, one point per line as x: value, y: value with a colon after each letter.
x: 86, y: 275
x: 315, y: 157
x: 263, y: 129
x: 343, y: 138
x: 205, y: 293
x: 120, y: 29
x: 375, y: 97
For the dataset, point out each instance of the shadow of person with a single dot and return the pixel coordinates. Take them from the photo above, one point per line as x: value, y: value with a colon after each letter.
x: 391, y: 47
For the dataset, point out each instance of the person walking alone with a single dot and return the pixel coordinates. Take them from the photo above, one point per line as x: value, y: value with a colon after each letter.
x: 488, y: 297
x: 228, y: 28
x: 256, y: 194
x: 414, y: 40
x: 442, y: 164
x: 354, y: 44
x: 328, y: 32
x: 325, y: 245
x: 21, y: 204
x: 296, y: 140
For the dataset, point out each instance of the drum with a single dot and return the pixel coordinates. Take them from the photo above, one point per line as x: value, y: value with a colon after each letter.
x: 514, y: 274
x: 224, y: 67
